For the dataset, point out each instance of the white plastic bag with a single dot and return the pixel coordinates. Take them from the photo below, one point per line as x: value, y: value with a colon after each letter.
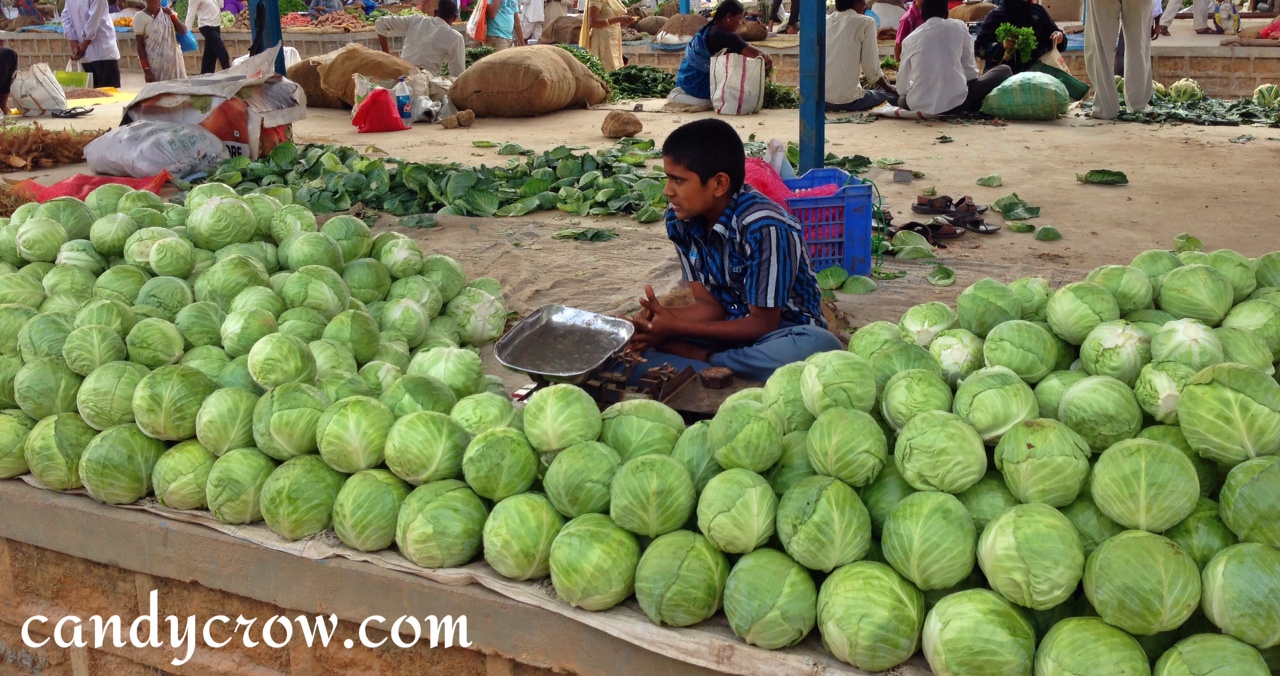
x: 146, y: 148
x: 36, y: 91
x: 291, y: 56
x: 776, y: 155
x: 737, y: 84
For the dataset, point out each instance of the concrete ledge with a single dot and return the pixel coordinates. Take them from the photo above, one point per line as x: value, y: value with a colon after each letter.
x: 144, y: 543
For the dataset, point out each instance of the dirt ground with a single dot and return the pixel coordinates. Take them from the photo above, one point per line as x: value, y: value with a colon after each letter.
x: 1182, y: 179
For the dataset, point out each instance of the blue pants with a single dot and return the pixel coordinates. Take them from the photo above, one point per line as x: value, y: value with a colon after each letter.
x: 757, y: 361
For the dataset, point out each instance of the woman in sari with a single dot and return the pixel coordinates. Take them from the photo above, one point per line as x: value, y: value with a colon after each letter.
x: 693, y: 79
x: 601, y: 32
x: 157, y: 29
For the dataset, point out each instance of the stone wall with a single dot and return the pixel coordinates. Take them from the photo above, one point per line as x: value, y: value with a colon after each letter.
x: 1221, y: 71
x: 52, y: 48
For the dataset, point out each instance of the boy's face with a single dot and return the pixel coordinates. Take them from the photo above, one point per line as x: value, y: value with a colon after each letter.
x: 689, y: 196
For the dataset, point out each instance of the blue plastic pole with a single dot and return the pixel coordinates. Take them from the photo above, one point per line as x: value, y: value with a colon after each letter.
x: 684, y: 6
x: 813, y: 85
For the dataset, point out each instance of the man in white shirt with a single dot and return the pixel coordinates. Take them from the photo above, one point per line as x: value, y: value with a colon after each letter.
x: 207, y: 16
x: 87, y: 26
x: 429, y: 42
x: 1104, y: 21
x: 852, y: 54
x: 531, y: 18
x: 939, y: 74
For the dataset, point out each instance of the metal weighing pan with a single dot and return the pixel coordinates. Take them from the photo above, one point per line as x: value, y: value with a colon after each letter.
x: 562, y: 344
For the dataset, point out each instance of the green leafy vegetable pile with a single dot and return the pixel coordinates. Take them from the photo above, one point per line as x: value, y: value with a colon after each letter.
x: 286, y: 7
x: 641, y: 82
x: 1207, y: 112
x: 334, y: 178
x: 780, y: 97
x: 1024, y: 41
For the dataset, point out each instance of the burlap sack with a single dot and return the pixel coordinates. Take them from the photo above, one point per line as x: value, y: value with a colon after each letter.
x: 307, y: 74
x: 684, y: 24
x: 669, y: 9
x: 652, y: 25
x: 753, y: 31
x: 591, y: 90
x: 526, y: 81
x: 336, y: 77
x: 973, y: 12
x: 563, y: 31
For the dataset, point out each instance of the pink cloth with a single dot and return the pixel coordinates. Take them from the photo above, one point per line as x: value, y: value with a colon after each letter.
x: 765, y: 180
x: 1272, y: 31
x: 910, y: 21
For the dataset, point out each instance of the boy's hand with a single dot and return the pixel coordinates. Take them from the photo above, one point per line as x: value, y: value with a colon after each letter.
x: 660, y: 323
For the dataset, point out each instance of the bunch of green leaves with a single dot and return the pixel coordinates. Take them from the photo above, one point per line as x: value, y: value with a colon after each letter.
x: 1207, y: 112
x: 780, y: 97
x: 1024, y: 40
x: 888, y: 63
x: 1103, y: 177
x: 474, y: 54
x: 587, y: 234
x: 641, y: 82
x: 1015, y: 208
x: 330, y: 178
x: 286, y: 7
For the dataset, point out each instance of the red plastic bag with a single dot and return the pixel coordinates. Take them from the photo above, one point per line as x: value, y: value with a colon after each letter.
x: 766, y: 181
x: 80, y: 185
x: 378, y: 113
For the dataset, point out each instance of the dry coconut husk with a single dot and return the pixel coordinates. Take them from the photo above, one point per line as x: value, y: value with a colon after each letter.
x: 621, y: 124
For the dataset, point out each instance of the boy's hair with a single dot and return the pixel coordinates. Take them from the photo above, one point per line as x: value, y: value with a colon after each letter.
x: 447, y: 10
x: 930, y: 9
x: 706, y: 148
x: 845, y: 5
x: 727, y: 8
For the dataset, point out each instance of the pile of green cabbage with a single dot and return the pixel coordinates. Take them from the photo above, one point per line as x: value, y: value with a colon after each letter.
x: 1083, y: 480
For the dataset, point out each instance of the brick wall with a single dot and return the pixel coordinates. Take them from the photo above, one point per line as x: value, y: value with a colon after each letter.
x: 40, y: 581
x: 1223, y: 75
x: 53, y: 49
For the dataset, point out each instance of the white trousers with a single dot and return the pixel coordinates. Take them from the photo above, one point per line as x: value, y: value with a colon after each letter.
x: 1104, y: 19
x: 533, y: 30
x: 1199, y: 13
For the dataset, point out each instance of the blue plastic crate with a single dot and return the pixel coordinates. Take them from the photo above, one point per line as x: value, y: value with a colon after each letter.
x: 836, y: 227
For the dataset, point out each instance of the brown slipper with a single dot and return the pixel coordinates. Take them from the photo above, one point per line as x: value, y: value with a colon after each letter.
x: 933, y: 205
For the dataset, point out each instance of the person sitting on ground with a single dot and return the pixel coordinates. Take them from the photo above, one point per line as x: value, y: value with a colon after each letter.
x: 1021, y: 14
x: 693, y: 79
x: 156, y: 30
x: 429, y: 41
x: 910, y: 21
x: 756, y: 305
x: 851, y: 55
x: 939, y: 74
x: 8, y: 68
x: 888, y: 14
x: 319, y: 8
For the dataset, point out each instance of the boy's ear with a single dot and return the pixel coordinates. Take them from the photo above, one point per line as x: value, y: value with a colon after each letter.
x: 720, y: 184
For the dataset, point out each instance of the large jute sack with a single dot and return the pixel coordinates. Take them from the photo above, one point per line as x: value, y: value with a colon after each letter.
x: 753, y: 31
x: 669, y: 9
x: 591, y: 90
x: 337, y: 76
x: 684, y: 24
x: 307, y: 74
x: 973, y: 12
x: 652, y: 25
x: 563, y: 31
x: 526, y: 81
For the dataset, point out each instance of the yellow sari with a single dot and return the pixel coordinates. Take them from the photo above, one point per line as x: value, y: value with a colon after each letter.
x: 604, y: 43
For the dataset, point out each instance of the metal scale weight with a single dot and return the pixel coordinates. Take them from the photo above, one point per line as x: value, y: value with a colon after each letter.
x: 558, y: 344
